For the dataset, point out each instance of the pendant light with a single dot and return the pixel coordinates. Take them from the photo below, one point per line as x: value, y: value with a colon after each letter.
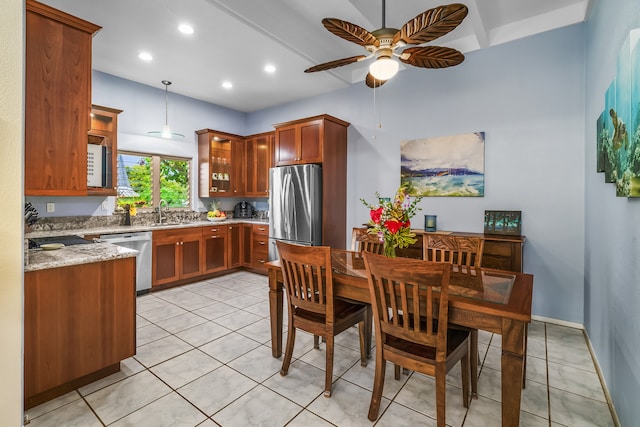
x: 166, y: 130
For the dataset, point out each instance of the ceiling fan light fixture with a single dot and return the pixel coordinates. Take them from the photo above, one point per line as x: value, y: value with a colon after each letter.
x: 384, y: 68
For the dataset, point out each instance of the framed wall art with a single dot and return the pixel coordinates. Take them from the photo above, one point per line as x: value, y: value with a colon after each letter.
x: 503, y: 222
x: 450, y: 166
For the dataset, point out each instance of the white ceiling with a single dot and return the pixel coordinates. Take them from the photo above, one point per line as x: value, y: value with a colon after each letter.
x: 235, y: 39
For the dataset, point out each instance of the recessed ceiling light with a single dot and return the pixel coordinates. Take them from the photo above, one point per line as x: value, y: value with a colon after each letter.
x: 227, y: 85
x: 145, y: 56
x: 185, y: 29
x: 270, y: 68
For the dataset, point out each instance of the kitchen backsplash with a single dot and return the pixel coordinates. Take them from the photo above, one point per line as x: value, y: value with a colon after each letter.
x: 141, y: 218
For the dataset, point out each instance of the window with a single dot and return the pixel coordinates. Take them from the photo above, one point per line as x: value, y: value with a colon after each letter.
x: 144, y: 180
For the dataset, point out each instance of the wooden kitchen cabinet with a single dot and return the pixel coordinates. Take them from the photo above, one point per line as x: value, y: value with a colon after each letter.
x: 214, y: 248
x: 176, y: 255
x: 247, y: 239
x: 259, y: 158
x: 104, y: 134
x: 234, y: 246
x: 79, y: 323
x: 220, y: 164
x: 57, y: 101
x: 259, y: 247
x: 320, y: 139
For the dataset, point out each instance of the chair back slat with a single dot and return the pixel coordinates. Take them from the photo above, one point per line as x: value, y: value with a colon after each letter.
x: 362, y: 241
x: 403, y: 300
x: 305, y: 277
x: 459, y: 250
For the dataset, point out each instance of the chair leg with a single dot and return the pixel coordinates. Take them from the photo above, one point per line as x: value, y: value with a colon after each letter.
x: 441, y: 390
x: 368, y: 328
x: 363, y: 345
x: 524, y: 360
x: 396, y: 372
x: 465, y: 368
x: 378, y: 385
x: 316, y: 342
x: 328, y: 377
x: 291, y: 339
x: 475, y: 357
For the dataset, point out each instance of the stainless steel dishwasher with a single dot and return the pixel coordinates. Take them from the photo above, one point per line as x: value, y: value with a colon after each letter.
x: 141, y: 242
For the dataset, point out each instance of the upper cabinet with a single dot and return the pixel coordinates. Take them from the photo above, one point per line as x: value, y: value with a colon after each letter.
x: 308, y: 140
x: 259, y: 158
x: 102, y: 151
x: 220, y: 164
x: 57, y: 101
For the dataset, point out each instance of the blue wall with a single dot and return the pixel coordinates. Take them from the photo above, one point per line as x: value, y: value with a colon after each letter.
x: 612, y: 255
x: 528, y: 96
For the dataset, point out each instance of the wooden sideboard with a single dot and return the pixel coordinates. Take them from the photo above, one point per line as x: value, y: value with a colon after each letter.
x: 500, y: 252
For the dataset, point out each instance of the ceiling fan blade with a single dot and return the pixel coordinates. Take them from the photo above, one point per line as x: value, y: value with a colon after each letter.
x: 431, y: 56
x: 431, y: 24
x: 350, y: 32
x: 337, y: 63
x: 373, y: 82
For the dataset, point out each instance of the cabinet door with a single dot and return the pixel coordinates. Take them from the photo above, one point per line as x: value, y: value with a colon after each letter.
x: 259, y: 158
x: 190, y: 262
x: 286, y: 146
x: 234, y: 248
x: 214, y: 241
x: 166, y: 260
x: 299, y: 143
x: 311, y: 142
x: 247, y: 239
x: 237, y: 173
x: 57, y: 102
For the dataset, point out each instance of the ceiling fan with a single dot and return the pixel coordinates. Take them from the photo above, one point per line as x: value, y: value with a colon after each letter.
x: 385, y: 43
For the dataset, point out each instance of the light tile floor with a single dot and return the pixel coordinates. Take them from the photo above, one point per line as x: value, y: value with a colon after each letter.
x: 204, y: 359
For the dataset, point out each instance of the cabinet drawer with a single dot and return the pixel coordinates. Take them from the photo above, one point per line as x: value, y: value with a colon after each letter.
x: 260, y: 229
x: 497, y: 248
x: 215, y: 230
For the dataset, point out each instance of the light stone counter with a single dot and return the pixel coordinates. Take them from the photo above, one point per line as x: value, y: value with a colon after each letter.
x: 76, y: 254
x: 96, y: 252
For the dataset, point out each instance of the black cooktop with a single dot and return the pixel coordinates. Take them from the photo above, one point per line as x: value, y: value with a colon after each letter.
x: 66, y: 240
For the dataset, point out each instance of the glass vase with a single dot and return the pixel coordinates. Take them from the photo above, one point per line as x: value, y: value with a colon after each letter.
x: 389, y: 249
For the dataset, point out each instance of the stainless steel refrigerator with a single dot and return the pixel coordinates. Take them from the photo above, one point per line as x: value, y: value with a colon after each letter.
x: 295, y: 206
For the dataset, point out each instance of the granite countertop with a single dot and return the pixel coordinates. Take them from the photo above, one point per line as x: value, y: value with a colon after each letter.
x: 97, y: 252
x: 76, y: 254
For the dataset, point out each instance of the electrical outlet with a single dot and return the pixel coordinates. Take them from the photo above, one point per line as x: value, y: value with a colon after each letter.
x: 51, y: 207
x: 105, y: 206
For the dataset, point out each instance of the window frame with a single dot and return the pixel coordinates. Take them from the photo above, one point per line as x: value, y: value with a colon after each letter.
x: 155, y: 179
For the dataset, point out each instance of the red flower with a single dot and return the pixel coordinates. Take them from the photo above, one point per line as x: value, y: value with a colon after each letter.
x: 393, y: 226
x: 376, y: 214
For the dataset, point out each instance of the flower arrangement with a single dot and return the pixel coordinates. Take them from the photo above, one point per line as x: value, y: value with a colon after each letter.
x: 391, y: 220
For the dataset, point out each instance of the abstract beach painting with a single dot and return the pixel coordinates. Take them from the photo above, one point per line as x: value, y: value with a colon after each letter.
x: 450, y: 166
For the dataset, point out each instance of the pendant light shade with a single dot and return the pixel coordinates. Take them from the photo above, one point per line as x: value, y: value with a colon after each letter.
x: 166, y: 130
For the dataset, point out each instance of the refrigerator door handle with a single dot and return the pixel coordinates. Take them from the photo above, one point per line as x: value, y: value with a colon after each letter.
x: 286, y: 209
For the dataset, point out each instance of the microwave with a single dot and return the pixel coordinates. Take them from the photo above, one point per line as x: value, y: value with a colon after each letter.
x: 98, y: 166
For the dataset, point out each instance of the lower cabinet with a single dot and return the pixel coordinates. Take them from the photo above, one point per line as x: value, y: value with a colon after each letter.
x: 259, y: 247
x: 193, y: 252
x: 214, y: 248
x: 79, y: 323
x: 176, y: 255
x: 234, y: 246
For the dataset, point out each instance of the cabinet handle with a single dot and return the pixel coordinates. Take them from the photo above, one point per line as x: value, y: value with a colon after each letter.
x: 262, y: 243
x: 261, y: 261
x: 261, y: 229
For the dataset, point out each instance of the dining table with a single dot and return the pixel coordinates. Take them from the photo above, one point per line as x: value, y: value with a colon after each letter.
x: 492, y: 300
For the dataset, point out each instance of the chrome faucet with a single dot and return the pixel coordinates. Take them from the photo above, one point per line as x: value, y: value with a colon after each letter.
x: 160, y: 209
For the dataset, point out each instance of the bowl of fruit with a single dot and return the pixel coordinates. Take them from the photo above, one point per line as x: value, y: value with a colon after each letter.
x: 216, y: 215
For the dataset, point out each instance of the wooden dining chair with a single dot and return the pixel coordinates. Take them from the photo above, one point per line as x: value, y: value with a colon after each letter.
x: 463, y: 251
x: 411, y: 324
x: 308, y: 281
x: 362, y: 241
